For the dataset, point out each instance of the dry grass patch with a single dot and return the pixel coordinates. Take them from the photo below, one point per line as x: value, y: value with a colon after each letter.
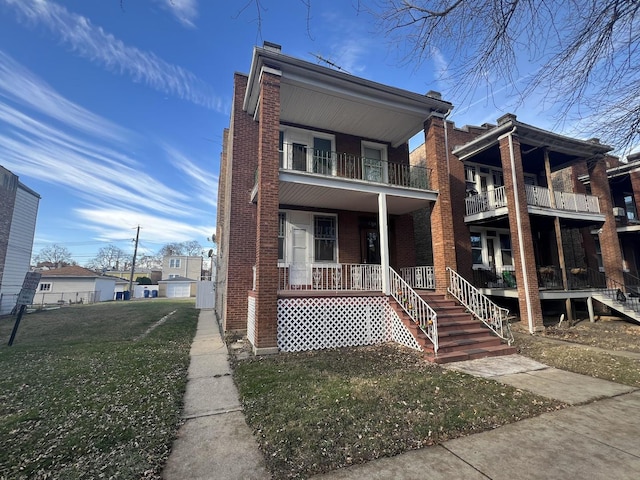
x: 318, y: 411
x: 575, y: 353
x: 79, y: 398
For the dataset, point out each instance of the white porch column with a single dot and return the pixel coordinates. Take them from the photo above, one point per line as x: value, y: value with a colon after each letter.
x: 384, y: 242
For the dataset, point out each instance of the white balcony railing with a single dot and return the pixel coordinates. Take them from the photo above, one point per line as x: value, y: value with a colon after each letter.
x: 300, y: 158
x: 330, y: 277
x: 486, y: 201
x: 536, y: 197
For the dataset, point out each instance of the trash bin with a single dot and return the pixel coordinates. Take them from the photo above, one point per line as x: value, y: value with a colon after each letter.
x: 154, y: 293
x: 119, y: 295
x: 126, y: 295
x: 146, y: 294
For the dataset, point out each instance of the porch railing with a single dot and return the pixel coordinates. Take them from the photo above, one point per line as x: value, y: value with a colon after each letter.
x: 422, y: 278
x: 330, y: 277
x: 415, y: 306
x: 301, y: 158
x: 622, y: 294
x: 492, y: 315
x: 495, y: 277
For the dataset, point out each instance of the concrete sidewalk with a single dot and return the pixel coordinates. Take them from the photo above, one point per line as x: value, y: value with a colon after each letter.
x: 215, y: 441
x: 597, y: 437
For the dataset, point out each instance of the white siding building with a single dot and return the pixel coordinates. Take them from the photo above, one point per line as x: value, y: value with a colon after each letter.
x: 18, y: 212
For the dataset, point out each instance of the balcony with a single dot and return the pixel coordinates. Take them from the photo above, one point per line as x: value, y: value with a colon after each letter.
x: 299, y: 158
x: 490, y: 203
x: 336, y: 180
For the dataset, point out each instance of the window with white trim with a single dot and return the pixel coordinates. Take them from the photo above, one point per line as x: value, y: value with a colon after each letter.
x: 374, y: 162
x: 476, y: 248
x: 45, y: 287
x: 174, y: 263
x: 505, y: 249
x: 324, y: 238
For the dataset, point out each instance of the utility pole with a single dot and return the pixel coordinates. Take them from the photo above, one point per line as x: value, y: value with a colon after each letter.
x: 133, y: 263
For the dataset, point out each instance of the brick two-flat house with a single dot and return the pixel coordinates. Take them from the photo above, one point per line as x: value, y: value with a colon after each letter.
x: 531, y: 219
x: 18, y: 212
x: 331, y: 233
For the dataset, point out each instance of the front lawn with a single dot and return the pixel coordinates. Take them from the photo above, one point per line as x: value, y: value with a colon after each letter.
x: 85, y: 393
x: 315, y: 412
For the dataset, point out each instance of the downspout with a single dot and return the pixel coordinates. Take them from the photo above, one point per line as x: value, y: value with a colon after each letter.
x: 446, y: 140
x: 527, y: 294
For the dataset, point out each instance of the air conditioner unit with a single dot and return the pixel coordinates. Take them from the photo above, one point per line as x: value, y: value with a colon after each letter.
x: 619, y: 212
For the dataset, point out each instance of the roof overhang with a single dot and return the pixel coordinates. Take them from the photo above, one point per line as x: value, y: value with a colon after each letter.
x: 325, y: 99
x: 533, y: 137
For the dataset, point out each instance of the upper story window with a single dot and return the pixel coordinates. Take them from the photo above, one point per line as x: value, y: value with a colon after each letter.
x: 307, y: 151
x: 630, y: 207
x: 45, y: 287
x: 374, y: 161
x: 174, y: 263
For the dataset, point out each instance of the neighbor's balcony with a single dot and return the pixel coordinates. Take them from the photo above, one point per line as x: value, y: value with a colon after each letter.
x: 299, y: 158
x: 539, y: 197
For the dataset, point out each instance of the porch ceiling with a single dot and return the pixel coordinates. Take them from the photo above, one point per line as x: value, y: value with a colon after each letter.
x: 322, y: 98
x: 338, y: 196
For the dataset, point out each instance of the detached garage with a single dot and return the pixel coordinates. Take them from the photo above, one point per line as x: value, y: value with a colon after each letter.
x: 177, y: 287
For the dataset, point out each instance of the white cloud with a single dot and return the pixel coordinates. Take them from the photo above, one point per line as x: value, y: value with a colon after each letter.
x: 204, y: 183
x: 47, y: 143
x: 22, y: 87
x: 185, y: 11
x: 92, y: 42
x: 113, y: 224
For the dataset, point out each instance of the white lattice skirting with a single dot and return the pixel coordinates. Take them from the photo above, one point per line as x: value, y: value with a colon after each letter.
x: 251, y: 320
x: 314, y: 323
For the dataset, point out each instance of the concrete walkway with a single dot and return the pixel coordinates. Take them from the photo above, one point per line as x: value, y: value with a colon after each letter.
x: 215, y: 441
x: 597, y: 437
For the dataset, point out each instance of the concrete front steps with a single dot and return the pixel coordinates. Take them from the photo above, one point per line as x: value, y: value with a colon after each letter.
x: 460, y: 335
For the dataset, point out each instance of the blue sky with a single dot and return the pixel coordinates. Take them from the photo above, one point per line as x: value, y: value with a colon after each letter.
x: 115, y: 115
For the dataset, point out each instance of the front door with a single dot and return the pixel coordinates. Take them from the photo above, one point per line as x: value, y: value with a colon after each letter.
x: 370, y: 245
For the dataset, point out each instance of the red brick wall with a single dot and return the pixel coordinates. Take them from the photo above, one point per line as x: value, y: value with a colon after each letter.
x: 609, y: 243
x: 523, y: 225
x: 267, y: 214
x: 240, y: 214
x: 349, y: 237
x: 403, y: 247
x: 443, y: 236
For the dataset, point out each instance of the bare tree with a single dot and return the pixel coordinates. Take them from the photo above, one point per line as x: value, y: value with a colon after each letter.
x: 587, y: 52
x: 55, y: 255
x: 171, y: 249
x: 111, y: 258
x: 192, y: 247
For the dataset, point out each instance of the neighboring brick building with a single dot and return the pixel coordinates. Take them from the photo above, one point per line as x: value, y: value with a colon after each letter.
x: 18, y: 212
x: 322, y: 212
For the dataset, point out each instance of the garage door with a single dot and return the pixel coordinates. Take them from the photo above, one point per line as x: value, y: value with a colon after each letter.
x: 178, y: 290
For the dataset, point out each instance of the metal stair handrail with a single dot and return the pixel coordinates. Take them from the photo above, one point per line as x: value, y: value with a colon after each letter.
x: 618, y: 292
x: 480, y: 306
x: 414, y: 305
